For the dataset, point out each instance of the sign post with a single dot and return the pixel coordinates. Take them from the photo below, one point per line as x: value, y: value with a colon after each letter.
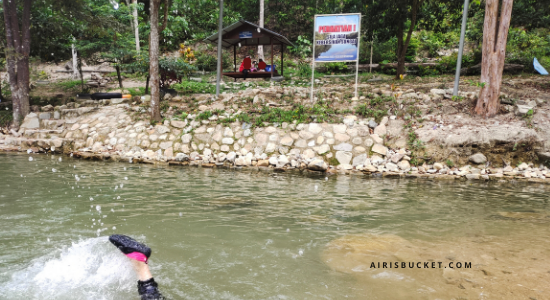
x: 336, y: 38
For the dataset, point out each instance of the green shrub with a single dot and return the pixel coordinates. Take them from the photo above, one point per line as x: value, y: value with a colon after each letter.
x: 193, y: 87
x: 376, y: 108
x: 6, y: 117
x: 207, y: 62
x: 336, y: 67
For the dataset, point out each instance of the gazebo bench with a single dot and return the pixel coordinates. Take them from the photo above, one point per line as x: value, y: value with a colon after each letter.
x: 250, y: 74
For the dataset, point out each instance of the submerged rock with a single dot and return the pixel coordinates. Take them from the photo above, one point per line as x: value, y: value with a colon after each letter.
x: 317, y: 165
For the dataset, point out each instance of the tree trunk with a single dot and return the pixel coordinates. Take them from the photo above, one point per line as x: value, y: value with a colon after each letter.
x: 261, y: 48
x: 147, y: 85
x: 119, y: 77
x: 403, y: 46
x: 154, y: 60
x: 495, y: 36
x: 18, y: 44
x: 136, y: 25
x: 75, y: 62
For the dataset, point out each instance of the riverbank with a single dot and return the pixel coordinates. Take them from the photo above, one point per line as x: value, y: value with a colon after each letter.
x: 392, y: 147
x: 391, y: 131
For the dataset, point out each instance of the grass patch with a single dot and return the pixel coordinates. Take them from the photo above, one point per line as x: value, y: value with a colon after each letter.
x: 193, y: 87
x: 6, y: 118
x: 70, y: 85
x: 375, y: 108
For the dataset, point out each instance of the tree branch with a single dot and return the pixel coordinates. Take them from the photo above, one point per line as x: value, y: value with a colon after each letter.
x: 167, y: 5
x: 413, y: 24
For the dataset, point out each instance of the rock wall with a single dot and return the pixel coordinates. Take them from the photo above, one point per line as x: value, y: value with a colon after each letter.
x: 102, y: 129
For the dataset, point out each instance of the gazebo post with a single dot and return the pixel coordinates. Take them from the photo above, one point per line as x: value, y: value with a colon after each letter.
x: 235, y: 57
x: 272, y: 66
x: 282, y: 60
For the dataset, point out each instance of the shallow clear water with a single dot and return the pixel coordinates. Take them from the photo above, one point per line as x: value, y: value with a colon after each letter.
x: 222, y: 234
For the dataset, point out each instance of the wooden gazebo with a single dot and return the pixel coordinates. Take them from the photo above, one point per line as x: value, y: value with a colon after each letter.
x: 244, y: 33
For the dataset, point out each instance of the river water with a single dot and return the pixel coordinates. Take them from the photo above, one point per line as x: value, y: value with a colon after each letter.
x: 223, y: 234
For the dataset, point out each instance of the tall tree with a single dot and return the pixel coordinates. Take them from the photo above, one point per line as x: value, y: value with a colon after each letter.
x: 495, y: 36
x: 402, y: 46
x: 18, y: 43
x: 154, y: 59
x: 261, y: 48
x: 389, y: 18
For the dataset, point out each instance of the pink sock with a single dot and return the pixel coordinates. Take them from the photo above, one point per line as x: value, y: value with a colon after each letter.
x: 137, y: 256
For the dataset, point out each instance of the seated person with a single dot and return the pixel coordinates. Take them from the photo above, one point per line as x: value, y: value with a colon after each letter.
x: 261, y: 65
x: 254, y: 67
x: 246, y: 65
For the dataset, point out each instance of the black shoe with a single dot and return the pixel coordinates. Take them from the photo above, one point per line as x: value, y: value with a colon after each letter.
x: 148, y: 290
x: 129, y: 246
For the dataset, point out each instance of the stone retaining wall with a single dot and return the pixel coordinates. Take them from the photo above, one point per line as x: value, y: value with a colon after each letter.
x: 355, y: 145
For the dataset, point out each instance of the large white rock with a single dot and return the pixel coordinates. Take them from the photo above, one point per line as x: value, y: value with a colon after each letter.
x: 308, y: 154
x: 392, y: 167
x: 273, y: 161
x: 359, y: 160
x: 380, y: 130
x: 228, y: 132
x: 343, y: 147
x: 317, y: 165
x: 315, y: 128
x: 343, y: 157
x: 231, y: 156
x: 376, y: 160
x: 283, y: 160
x: 478, y: 158
x: 31, y: 122
x: 228, y: 141
x: 178, y: 124
x: 404, y: 165
x: 323, y: 149
x: 377, y: 148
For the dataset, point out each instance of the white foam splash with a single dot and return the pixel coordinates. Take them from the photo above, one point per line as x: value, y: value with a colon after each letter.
x: 89, y: 269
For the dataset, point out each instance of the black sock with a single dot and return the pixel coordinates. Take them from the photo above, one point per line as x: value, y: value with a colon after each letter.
x: 148, y: 290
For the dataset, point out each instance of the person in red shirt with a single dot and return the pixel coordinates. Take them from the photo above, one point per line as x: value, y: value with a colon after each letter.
x: 261, y: 65
x: 246, y: 65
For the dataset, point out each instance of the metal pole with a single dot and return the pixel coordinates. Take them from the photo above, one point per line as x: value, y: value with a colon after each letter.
x: 220, y: 35
x: 357, y: 62
x: 461, y: 48
x: 313, y: 59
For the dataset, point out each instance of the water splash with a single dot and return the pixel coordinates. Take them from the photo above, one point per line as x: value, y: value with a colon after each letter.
x: 89, y: 269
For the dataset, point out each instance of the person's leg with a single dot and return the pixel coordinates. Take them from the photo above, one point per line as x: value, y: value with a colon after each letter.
x: 139, y: 254
x: 245, y: 71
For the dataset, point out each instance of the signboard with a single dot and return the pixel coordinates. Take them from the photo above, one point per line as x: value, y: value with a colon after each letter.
x: 245, y: 34
x: 336, y: 37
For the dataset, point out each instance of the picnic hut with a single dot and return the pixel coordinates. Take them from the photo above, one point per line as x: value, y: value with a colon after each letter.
x: 243, y: 33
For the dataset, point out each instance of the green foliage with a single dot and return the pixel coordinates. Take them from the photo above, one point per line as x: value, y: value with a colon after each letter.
x: 447, y: 64
x: 139, y: 91
x: 206, y: 62
x: 177, y: 65
x: 193, y: 87
x: 302, y: 48
x: 375, y: 108
x: 449, y: 163
x: 432, y: 42
x: 525, y: 45
x: 528, y: 117
x: 476, y: 83
x: 6, y: 118
x: 70, y: 85
x: 303, y: 70
x: 336, y: 67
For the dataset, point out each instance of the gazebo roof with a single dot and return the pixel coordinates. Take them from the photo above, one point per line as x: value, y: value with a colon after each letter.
x: 248, y: 34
